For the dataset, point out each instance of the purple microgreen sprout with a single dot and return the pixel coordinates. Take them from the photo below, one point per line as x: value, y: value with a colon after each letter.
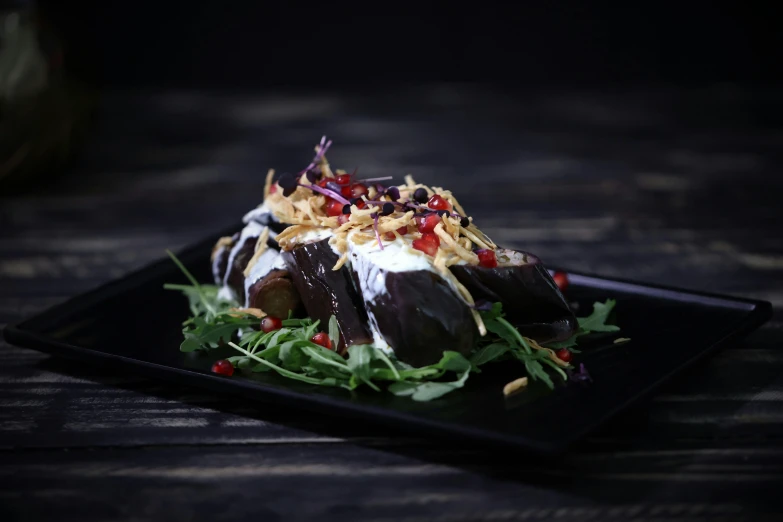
x: 322, y: 148
x: 580, y: 376
x: 326, y: 192
x: 368, y: 180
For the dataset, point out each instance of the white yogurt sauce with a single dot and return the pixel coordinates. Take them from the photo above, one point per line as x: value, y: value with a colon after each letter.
x: 250, y: 232
x: 268, y: 261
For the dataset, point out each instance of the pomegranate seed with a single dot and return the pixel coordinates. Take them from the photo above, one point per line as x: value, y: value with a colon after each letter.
x: 270, y: 324
x: 427, y: 223
x: 345, y: 191
x: 343, y: 179
x: 343, y: 219
x: 358, y: 190
x: 322, y: 339
x: 401, y: 231
x: 436, y: 202
x: 431, y: 237
x: 561, y: 280
x: 223, y: 367
x: 334, y: 208
x: 487, y: 258
x: 428, y: 247
x: 273, y: 188
x: 361, y: 204
x: 324, y: 181
x: 564, y: 354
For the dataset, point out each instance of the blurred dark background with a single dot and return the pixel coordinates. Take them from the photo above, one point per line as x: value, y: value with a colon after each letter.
x: 204, y: 43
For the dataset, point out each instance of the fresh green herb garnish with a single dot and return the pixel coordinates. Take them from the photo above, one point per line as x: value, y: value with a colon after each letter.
x: 216, y: 321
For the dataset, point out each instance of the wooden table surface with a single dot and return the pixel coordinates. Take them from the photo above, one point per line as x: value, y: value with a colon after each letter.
x: 666, y: 186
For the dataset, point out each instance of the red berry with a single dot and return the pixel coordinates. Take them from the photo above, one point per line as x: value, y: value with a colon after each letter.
x: 437, y: 202
x: 270, y: 324
x: 345, y: 191
x: 427, y: 223
x: 343, y: 179
x: 322, y: 339
x: 223, y: 367
x: 334, y: 208
x: 564, y: 354
x: 358, y: 190
x: 487, y: 258
x: 401, y: 231
x: 428, y: 247
x: 342, y: 219
x: 273, y: 188
x: 561, y: 280
x: 431, y: 237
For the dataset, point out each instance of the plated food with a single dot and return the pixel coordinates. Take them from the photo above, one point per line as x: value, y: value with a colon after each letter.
x: 341, y: 281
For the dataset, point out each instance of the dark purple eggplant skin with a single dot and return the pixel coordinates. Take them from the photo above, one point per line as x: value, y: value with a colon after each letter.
x: 420, y: 317
x: 236, y: 276
x: 326, y: 292
x: 530, y: 298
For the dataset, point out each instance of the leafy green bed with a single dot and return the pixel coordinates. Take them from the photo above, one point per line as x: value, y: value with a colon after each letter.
x: 289, y: 351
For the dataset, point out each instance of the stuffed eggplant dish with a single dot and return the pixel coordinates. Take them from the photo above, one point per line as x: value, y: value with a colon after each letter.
x: 341, y: 281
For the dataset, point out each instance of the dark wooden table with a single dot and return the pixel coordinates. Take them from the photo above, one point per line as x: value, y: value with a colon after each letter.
x: 673, y: 187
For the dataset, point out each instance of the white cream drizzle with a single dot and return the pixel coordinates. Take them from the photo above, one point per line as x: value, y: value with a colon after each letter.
x: 269, y: 260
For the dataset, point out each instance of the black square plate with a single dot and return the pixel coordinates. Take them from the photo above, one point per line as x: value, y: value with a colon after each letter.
x: 134, y: 323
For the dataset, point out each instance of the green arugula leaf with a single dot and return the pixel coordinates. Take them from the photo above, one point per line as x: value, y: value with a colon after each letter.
x: 290, y: 353
x: 427, y: 391
x: 334, y: 332
x: 596, y: 321
x: 489, y: 353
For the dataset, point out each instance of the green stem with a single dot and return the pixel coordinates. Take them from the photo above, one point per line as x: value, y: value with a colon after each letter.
x: 383, y: 357
x: 278, y: 369
x: 521, y: 340
x: 192, y: 281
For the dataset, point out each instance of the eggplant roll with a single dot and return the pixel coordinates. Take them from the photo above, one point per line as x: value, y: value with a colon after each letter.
x: 326, y: 292
x: 411, y: 308
x: 530, y: 298
x: 268, y: 284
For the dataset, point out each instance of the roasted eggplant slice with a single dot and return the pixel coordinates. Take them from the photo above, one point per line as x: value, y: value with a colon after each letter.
x: 420, y: 316
x: 530, y: 298
x: 326, y: 292
x: 275, y: 294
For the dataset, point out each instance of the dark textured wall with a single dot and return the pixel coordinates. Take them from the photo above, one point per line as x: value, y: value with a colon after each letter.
x: 255, y: 44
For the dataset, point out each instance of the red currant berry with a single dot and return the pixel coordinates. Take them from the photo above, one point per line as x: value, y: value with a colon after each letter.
x: 358, y: 190
x: 427, y: 223
x: 322, y: 339
x: 270, y: 324
x: 487, y: 258
x: 431, y: 237
x: 561, y: 280
x: 437, y: 202
x: 564, y: 354
x: 223, y: 367
x: 428, y: 247
x: 334, y: 208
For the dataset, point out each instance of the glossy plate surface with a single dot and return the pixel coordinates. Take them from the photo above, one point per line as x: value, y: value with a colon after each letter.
x: 134, y: 323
